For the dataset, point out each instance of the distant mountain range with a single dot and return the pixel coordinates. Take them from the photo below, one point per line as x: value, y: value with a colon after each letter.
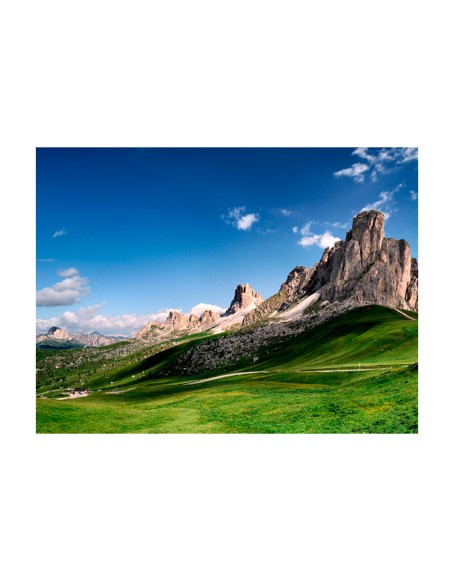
x: 57, y: 338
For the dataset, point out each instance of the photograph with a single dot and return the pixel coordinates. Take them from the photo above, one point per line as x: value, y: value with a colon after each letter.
x: 227, y: 290
x: 220, y: 362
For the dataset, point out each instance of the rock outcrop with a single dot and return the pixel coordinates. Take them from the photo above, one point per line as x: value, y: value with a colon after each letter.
x: 208, y: 318
x: 365, y: 268
x: 177, y: 324
x: 177, y: 321
x: 244, y: 297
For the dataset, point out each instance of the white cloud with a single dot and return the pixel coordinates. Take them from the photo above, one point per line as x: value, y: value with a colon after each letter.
x: 58, y: 233
x: 266, y: 230
x: 413, y: 195
x: 385, y: 201
x: 239, y: 220
x: 88, y: 319
x: 306, y: 229
x: 338, y: 224
x: 245, y: 222
x: 356, y: 171
x: 310, y: 238
x: 409, y: 154
x: 295, y: 229
x: 321, y: 240
x: 286, y: 212
x: 201, y: 307
x: 67, y: 292
x: 71, y: 272
x: 158, y: 316
x: 45, y: 260
x: 364, y: 154
x: 376, y: 161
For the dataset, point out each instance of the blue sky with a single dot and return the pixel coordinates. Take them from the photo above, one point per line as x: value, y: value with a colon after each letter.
x: 124, y: 235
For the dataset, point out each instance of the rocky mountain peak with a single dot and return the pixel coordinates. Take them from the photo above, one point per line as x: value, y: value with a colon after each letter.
x: 53, y: 329
x: 365, y: 268
x: 177, y: 320
x: 368, y: 229
x: 244, y: 297
x: 58, y: 333
x: 56, y: 337
x: 208, y: 318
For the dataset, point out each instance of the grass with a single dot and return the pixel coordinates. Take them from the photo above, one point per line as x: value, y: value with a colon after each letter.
x: 368, y: 336
x: 283, y: 402
x: 289, y: 399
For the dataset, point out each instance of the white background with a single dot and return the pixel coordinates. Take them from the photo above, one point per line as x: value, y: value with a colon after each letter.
x: 243, y: 507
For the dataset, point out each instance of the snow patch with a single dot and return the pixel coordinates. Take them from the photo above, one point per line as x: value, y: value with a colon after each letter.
x: 229, y: 321
x: 297, y: 310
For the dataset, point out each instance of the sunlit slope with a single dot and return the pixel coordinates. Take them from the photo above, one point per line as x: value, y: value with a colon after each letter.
x: 371, y: 335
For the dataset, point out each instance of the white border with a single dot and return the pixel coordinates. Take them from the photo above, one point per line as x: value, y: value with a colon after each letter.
x: 319, y: 508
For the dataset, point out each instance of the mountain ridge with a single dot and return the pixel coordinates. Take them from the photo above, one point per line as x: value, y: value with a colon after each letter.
x: 58, y: 337
x: 245, y: 299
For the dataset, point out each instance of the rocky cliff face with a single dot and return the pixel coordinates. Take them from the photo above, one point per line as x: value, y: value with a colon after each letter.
x: 368, y: 268
x: 177, y: 324
x: 178, y: 321
x: 364, y: 268
x: 208, y: 318
x: 244, y: 297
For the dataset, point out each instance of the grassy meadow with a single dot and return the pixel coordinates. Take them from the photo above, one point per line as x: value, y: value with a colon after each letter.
x: 356, y: 373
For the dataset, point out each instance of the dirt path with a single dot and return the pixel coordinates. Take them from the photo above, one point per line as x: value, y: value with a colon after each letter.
x: 299, y: 371
x: 49, y: 391
x: 405, y: 314
x: 343, y: 370
x: 224, y: 376
x: 121, y: 391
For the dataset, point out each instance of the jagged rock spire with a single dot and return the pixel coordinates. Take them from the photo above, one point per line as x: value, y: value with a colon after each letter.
x: 244, y: 297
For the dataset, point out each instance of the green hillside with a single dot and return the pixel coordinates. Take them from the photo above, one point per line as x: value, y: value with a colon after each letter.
x: 303, y: 384
x: 371, y: 335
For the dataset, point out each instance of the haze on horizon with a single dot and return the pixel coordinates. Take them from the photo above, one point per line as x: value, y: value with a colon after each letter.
x: 125, y: 235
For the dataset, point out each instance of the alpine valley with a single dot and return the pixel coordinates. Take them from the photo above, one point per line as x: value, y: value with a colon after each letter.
x: 334, y: 350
